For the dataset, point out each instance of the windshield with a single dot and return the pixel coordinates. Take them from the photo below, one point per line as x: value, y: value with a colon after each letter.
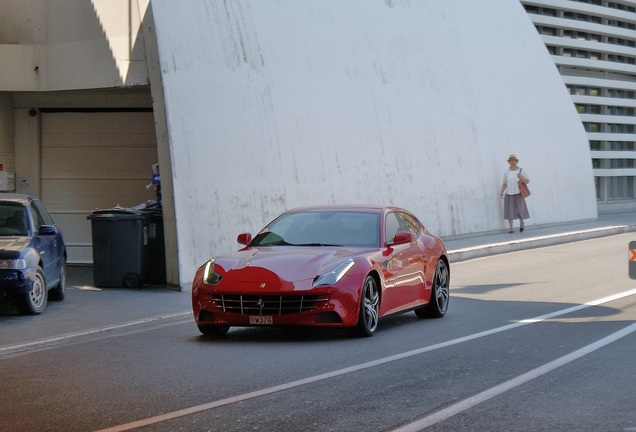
x: 322, y: 228
x: 13, y: 219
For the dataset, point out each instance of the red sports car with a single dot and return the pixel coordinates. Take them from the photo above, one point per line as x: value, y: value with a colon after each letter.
x: 328, y: 266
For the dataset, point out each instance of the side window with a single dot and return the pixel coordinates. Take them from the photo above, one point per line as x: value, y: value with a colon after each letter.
x: 36, y: 217
x: 40, y: 216
x: 392, y: 226
x: 409, y: 223
x: 48, y: 220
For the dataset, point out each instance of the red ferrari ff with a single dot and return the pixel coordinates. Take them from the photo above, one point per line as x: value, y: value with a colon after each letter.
x: 328, y: 266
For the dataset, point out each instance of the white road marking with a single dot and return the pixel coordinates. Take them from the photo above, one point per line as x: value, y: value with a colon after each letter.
x: 71, y: 337
x: 267, y: 391
x: 513, y: 383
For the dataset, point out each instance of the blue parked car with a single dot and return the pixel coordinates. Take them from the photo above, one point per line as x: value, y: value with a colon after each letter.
x: 32, y: 254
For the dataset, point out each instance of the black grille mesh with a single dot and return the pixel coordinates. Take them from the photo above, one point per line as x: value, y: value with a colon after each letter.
x: 267, y: 304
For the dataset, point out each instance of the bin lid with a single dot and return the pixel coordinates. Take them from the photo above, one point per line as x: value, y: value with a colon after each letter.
x: 116, y: 214
x: 153, y: 213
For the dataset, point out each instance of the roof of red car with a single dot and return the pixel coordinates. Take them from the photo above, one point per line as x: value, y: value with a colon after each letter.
x: 341, y: 207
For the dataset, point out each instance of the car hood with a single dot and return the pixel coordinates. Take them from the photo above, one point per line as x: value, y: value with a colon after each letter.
x: 10, y: 247
x: 289, y: 263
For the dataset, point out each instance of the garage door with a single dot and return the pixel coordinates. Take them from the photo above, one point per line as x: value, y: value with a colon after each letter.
x: 94, y: 160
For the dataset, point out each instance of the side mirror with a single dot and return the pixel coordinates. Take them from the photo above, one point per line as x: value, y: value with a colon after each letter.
x: 244, y: 238
x: 402, y: 237
x: 47, y: 230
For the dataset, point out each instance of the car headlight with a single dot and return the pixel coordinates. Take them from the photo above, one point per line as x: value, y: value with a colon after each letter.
x: 332, y: 277
x: 211, y: 277
x: 16, y: 264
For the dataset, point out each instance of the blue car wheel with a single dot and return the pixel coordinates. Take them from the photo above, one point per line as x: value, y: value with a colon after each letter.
x: 34, y: 302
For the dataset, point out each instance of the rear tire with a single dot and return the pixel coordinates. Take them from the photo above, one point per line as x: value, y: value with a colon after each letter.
x: 34, y: 302
x: 369, y: 310
x: 440, y: 294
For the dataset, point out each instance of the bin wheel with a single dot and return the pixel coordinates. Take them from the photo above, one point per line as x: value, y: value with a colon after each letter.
x: 131, y: 280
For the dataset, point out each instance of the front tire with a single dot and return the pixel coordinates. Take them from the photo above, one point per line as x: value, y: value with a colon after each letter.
x: 34, y: 302
x: 440, y: 294
x: 369, y: 309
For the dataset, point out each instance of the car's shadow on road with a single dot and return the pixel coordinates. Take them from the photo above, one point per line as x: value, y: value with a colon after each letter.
x: 305, y: 334
x: 7, y: 308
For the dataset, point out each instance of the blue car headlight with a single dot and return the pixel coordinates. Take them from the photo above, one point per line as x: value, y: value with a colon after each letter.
x: 13, y: 264
x: 210, y: 276
x: 332, y: 277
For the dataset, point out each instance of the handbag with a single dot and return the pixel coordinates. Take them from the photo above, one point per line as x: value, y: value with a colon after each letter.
x: 523, y: 188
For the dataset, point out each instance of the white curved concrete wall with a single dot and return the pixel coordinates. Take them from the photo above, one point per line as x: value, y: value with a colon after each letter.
x: 277, y: 104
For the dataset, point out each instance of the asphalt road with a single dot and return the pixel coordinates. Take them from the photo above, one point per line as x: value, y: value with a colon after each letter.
x: 537, y: 340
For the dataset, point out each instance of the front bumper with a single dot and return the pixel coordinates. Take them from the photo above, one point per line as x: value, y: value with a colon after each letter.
x: 17, y: 281
x: 327, y: 307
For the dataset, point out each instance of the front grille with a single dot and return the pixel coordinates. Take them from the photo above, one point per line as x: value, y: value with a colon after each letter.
x: 267, y: 304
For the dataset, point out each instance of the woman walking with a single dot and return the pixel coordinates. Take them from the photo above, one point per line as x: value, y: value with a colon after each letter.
x: 514, y: 204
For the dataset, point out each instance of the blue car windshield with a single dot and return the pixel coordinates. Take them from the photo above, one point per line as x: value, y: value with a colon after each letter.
x: 13, y: 219
x: 322, y: 228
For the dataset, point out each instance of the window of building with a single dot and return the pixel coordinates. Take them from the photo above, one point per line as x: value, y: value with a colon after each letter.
x: 622, y: 163
x: 536, y: 10
x: 592, y: 2
x: 621, y: 42
x: 621, y: 145
x: 621, y: 59
x: 620, y: 111
x: 621, y: 24
x: 547, y: 31
x: 620, y: 128
x: 620, y: 188
x: 621, y: 94
x: 621, y: 6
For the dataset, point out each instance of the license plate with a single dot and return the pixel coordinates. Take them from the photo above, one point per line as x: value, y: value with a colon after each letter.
x: 263, y: 320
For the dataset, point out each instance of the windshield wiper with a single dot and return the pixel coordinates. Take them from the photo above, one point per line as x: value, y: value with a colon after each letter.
x: 276, y: 243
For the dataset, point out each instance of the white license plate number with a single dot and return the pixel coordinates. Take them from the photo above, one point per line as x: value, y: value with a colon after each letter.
x: 261, y: 320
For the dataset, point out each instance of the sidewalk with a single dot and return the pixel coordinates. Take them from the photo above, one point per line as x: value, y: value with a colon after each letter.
x: 607, y: 224
x: 88, y: 311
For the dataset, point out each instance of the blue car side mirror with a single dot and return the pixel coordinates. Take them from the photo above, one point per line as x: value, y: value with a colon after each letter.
x: 47, y: 230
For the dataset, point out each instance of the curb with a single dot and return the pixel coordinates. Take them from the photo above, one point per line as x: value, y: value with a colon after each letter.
x: 465, y: 254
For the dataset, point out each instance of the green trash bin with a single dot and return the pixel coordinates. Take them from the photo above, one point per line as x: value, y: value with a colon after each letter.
x: 120, y: 247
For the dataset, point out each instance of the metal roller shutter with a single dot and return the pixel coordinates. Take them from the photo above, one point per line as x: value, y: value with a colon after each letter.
x: 94, y: 160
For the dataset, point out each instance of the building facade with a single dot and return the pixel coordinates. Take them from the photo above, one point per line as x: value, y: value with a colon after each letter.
x: 593, y: 44
x: 252, y: 107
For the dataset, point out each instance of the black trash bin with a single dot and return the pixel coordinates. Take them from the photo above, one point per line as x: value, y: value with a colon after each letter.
x: 156, y: 262
x: 120, y: 247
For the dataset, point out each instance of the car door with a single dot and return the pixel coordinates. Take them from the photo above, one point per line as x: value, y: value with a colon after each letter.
x: 403, y: 266
x: 47, y: 244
